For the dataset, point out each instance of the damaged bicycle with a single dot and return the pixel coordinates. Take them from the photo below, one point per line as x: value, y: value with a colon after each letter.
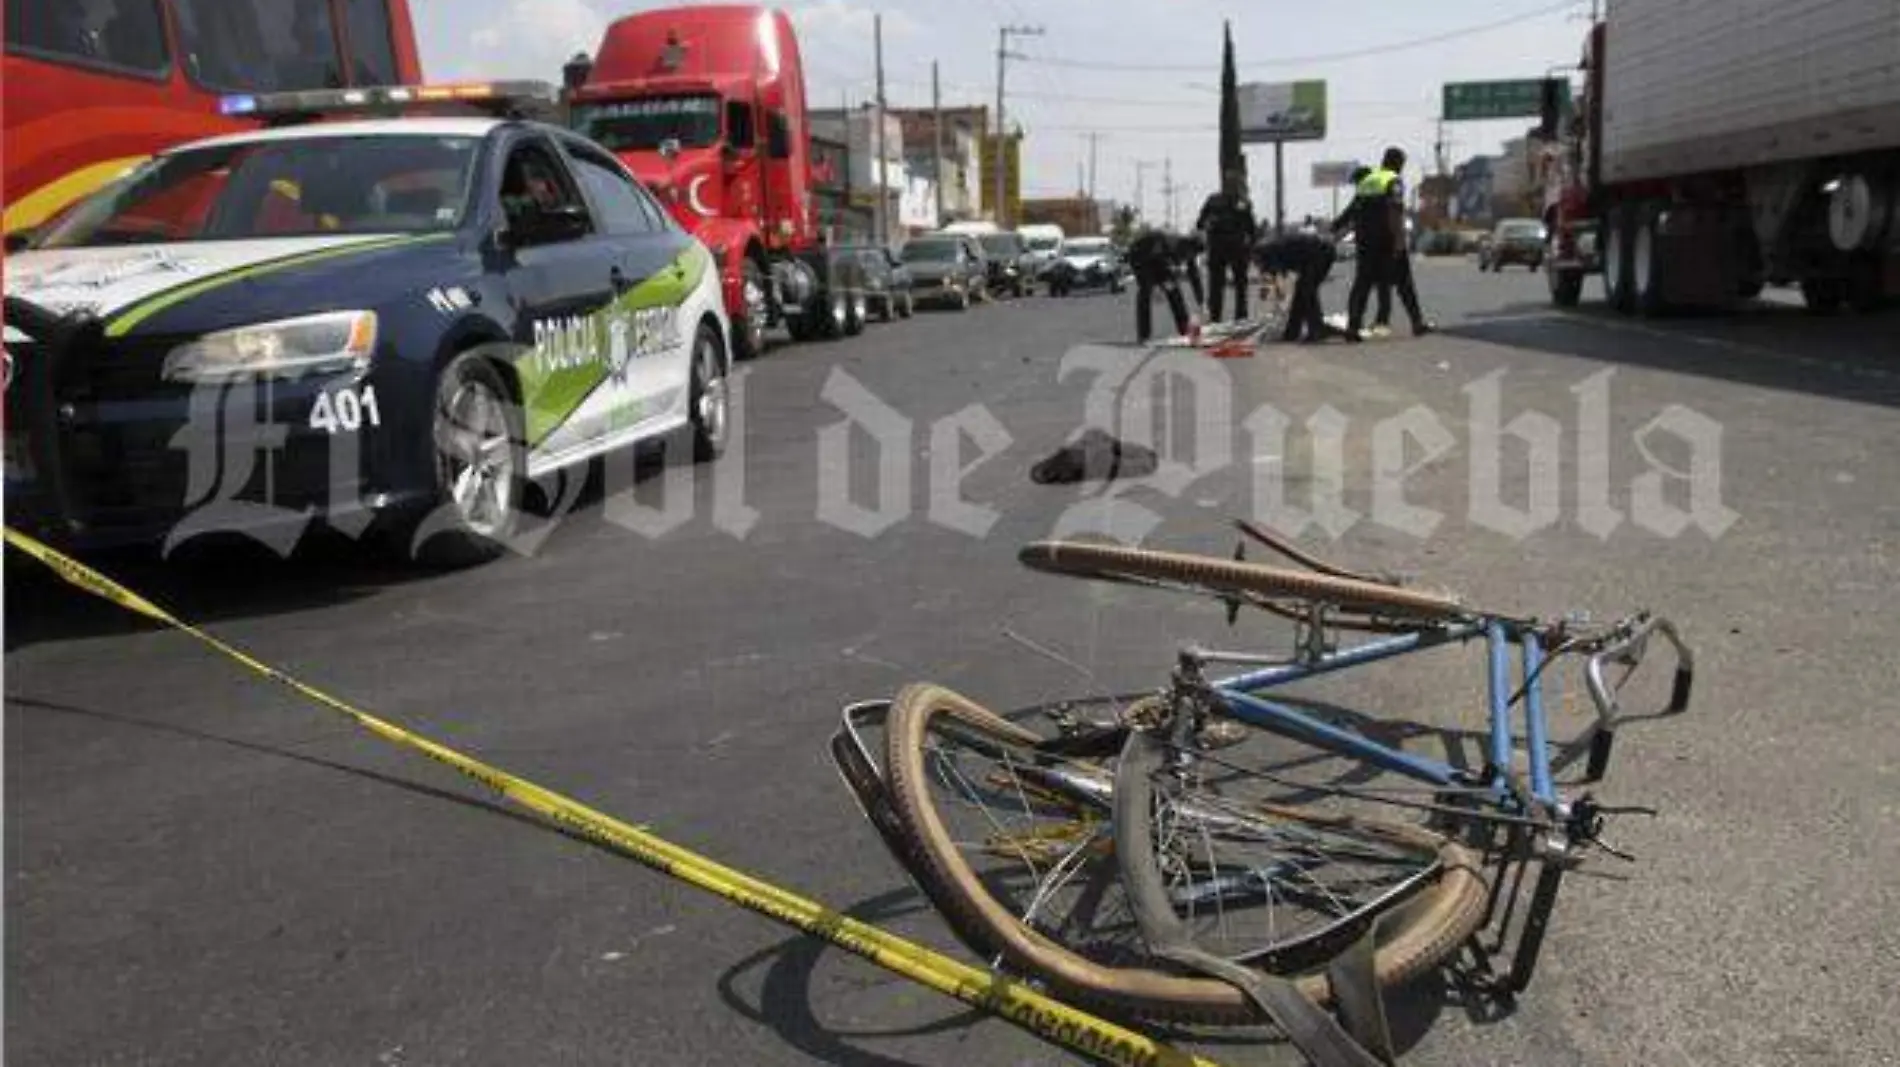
x: 1212, y: 854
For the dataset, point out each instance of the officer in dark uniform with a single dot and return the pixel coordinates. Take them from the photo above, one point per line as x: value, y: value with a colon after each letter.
x: 1227, y: 220
x: 1378, y: 215
x: 1151, y: 256
x: 1309, y: 257
x: 1188, y: 248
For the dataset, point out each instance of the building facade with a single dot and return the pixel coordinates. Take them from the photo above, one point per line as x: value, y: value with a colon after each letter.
x: 860, y: 174
x: 963, y: 129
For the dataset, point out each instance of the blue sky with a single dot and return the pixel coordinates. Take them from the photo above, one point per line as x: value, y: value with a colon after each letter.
x: 1388, y: 96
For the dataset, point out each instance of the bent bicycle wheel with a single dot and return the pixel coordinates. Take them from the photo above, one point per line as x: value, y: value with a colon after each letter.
x: 1224, y: 577
x: 1023, y: 846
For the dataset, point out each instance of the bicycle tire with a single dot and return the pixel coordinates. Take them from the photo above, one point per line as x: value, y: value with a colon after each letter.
x: 1440, y: 910
x: 1082, y: 559
x: 1442, y: 921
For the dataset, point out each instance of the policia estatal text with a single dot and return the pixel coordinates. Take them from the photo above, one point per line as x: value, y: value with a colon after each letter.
x: 1377, y: 216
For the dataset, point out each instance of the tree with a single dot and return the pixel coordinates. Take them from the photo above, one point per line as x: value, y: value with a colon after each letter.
x: 1231, y: 155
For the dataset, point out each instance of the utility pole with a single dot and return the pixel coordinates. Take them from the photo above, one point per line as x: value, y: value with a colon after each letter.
x: 1141, y: 202
x: 883, y: 164
x: 1279, y: 187
x: 1003, y: 34
x: 936, y: 131
x: 1092, y: 139
x: 844, y: 212
x: 1167, y: 187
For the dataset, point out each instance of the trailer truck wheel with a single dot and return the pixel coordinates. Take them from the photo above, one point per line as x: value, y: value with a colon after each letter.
x: 1646, y: 263
x: 833, y: 316
x: 748, y: 320
x: 1616, y: 260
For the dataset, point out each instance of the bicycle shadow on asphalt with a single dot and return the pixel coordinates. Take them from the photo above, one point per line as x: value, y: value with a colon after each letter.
x: 784, y: 1003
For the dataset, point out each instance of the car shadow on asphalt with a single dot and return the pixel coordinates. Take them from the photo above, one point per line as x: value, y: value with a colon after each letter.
x: 1769, y: 346
x: 221, y: 578
x: 211, y: 581
x: 133, y: 722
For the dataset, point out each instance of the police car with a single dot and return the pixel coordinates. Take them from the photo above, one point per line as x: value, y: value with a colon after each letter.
x: 357, y: 314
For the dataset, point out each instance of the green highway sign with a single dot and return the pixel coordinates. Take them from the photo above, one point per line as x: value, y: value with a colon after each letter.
x: 1515, y: 99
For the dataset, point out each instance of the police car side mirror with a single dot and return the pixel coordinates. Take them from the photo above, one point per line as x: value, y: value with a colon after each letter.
x: 552, y: 225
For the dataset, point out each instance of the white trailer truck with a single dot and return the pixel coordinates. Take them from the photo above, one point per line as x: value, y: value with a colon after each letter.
x: 1723, y: 145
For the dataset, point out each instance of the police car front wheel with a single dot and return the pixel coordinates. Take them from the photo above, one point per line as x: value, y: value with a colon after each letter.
x: 478, y: 467
x: 711, y: 399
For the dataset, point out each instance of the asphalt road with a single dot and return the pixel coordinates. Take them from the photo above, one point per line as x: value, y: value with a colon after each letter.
x: 201, y: 869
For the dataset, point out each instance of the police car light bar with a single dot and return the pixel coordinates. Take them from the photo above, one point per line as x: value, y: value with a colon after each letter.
x: 504, y: 99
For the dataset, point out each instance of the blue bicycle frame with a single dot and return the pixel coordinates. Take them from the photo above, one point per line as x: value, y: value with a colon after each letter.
x: 1241, y: 695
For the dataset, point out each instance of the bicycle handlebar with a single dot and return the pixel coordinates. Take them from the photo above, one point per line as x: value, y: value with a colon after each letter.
x: 1631, y: 650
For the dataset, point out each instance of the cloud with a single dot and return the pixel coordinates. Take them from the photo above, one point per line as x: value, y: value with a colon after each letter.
x: 843, y: 20
x: 513, y: 38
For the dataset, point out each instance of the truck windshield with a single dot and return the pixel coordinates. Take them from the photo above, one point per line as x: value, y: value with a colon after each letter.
x: 930, y: 251
x: 643, y: 125
x: 313, y: 186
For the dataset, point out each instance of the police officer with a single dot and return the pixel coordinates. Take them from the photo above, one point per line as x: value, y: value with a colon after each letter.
x: 1309, y: 258
x: 1151, y: 256
x: 1378, y: 215
x: 1346, y: 221
x: 1188, y: 248
x: 1227, y: 220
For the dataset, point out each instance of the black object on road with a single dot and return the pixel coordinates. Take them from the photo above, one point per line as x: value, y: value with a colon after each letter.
x: 1095, y: 456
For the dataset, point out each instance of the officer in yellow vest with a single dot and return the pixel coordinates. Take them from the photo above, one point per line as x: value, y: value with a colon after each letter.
x: 1378, y: 215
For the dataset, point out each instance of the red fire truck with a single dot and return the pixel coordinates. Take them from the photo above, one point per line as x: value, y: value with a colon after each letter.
x: 706, y: 104
x: 95, y: 86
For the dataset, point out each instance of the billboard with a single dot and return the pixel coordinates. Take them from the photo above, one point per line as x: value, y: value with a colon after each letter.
x: 1333, y: 174
x: 1012, y: 176
x: 1282, y: 111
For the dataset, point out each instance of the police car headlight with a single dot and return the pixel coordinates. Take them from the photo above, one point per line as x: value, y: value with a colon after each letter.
x: 289, y: 348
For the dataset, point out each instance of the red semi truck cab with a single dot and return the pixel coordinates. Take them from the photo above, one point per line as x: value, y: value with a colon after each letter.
x: 707, y: 106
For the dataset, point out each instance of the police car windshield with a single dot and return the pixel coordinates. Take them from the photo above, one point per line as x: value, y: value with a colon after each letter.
x: 643, y: 125
x: 930, y: 251
x: 304, y: 187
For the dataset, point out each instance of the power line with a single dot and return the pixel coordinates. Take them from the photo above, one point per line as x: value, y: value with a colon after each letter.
x: 1310, y: 60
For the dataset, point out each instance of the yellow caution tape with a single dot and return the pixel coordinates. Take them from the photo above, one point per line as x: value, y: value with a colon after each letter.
x: 992, y: 992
